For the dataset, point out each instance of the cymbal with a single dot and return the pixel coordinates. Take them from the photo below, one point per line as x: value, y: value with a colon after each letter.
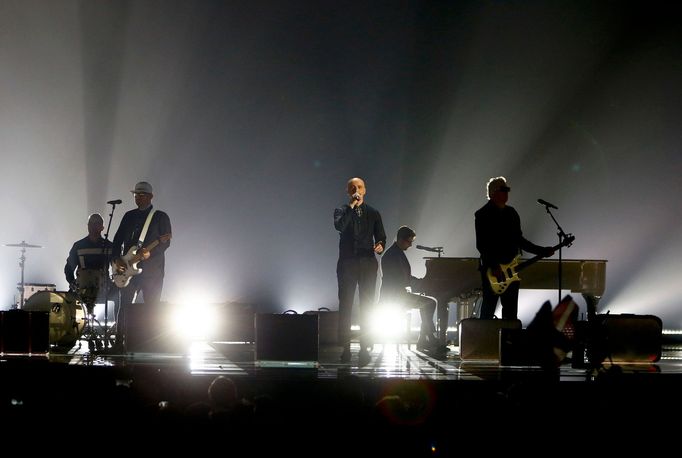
x: 23, y: 244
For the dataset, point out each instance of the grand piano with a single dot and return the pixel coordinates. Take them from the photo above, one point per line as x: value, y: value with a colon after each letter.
x: 448, y: 278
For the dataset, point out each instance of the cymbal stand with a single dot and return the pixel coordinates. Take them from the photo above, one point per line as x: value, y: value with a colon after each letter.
x: 22, y: 262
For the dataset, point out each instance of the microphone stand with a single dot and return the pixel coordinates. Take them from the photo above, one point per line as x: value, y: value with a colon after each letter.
x: 562, y: 236
x: 107, y: 279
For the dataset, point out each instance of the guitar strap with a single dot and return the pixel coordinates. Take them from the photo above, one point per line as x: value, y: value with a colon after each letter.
x: 143, y: 234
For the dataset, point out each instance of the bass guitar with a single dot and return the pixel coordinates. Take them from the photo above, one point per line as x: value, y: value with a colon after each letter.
x: 510, y: 272
x: 122, y: 275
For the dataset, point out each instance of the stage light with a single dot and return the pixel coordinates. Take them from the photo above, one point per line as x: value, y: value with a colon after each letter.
x: 388, y: 323
x: 195, y: 320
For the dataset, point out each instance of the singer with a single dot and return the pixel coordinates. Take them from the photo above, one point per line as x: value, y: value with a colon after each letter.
x: 89, y: 258
x: 499, y: 240
x: 361, y: 238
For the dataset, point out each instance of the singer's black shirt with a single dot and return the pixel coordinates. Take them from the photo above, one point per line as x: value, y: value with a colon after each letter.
x: 358, y: 234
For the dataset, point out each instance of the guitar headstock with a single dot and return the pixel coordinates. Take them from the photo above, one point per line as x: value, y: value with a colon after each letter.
x: 568, y: 241
x: 165, y: 238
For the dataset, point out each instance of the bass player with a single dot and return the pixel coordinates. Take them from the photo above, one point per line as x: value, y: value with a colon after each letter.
x: 499, y: 240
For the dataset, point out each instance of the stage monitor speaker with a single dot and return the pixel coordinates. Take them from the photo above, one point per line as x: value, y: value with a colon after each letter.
x: 287, y: 337
x: 148, y: 330
x: 479, y: 339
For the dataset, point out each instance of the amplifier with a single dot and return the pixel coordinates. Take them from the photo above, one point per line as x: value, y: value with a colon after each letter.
x: 22, y: 331
x: 287, y: 337
x: 148, y: 329
x: 328, y: 325
x: 30, y: 289
x: 479, y: 339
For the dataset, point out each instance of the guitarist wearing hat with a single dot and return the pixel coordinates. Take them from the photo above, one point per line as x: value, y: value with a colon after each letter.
x: 139, y: 248
x: 499, y: 240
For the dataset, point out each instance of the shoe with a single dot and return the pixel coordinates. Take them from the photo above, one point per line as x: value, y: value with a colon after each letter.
x: 364, y: 357
x: 422, y: 344
x: 345, y: 356
x: 439, y: 351
x: 426, y: 341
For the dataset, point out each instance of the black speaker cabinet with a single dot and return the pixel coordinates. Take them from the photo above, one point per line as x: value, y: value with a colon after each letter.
x: 328, y: 325
x: 479, y: 339
x: 237, y: 323
x: 287, y: 337
x: 148, y: 329
x: 22, y: 331
x: 514, y: 347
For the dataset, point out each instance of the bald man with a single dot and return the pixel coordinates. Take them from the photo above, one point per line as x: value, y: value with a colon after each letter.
x: 361, y: 238
x: 88, y: 259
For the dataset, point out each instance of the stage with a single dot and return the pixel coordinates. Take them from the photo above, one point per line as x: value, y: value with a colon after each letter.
x: 404, y: 401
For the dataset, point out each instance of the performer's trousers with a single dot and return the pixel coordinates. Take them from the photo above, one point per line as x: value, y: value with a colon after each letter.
x: 360, y: 272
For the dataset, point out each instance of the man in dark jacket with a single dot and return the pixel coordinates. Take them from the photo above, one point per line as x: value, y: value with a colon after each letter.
x: 499, y: 240
x: 361, y: 237
x: 397, y: 277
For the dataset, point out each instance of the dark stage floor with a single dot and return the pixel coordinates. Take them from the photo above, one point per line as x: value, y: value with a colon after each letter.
x: 403, y: 401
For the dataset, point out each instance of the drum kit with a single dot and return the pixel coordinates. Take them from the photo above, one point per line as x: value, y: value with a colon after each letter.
x: 67, y: 317
x: 72, y: 315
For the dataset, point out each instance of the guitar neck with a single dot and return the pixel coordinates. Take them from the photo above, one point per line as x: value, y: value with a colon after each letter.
x: 150, y: 247
x: 528, y: 262
x: 536, y: 258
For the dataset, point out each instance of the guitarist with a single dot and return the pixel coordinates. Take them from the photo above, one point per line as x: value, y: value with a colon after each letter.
x: 499, y: 240
x: 150, y: 281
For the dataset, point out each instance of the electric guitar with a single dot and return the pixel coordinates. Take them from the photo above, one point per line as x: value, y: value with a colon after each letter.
x: 510, y: 272
x: 122, y: 277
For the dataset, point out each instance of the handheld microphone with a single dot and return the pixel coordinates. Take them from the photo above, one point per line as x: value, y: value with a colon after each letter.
x: 435, y: 249
x: 115, y: 202
x: 547, y: 204
x: 356, y: 196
